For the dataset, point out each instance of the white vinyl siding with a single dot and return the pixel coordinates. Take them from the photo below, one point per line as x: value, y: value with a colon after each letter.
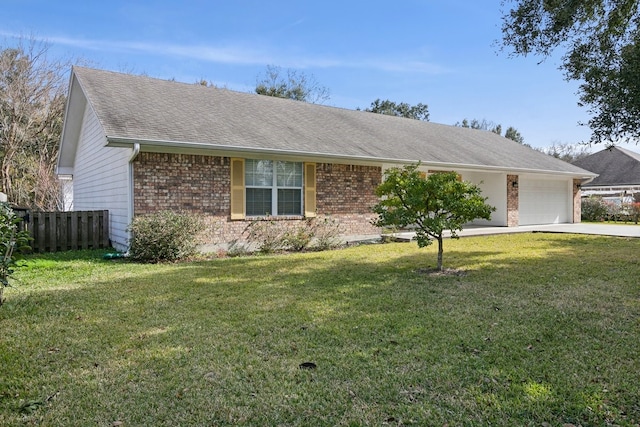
x: 543, y: 201
x: 101, y: 178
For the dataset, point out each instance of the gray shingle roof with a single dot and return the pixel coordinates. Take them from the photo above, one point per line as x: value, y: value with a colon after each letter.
x: 614, y: 166
x: 147, y: 109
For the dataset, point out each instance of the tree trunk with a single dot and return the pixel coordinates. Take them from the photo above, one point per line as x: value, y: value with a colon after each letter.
x: 440, y: 250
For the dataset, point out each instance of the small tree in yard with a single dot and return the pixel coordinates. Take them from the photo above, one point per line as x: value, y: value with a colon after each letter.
x: 433, y: 204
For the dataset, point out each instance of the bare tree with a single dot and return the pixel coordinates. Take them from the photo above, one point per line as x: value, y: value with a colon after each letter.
x: 511, y: 132
x: 567, y: 152
x: 296, y: 85
x: 32, y: 99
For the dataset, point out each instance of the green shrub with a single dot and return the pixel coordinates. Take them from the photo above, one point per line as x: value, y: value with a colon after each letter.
x: 326, y: 233
x: 267, y: 235
x: 165, y: 236
x: 594, y: 209
x: 635, y: 211
x: 13, y: 243
x: 298, y: 238
x: 615, y: 211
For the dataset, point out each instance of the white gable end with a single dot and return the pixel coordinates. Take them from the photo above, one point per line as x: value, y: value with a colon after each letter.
x: 101, y: 178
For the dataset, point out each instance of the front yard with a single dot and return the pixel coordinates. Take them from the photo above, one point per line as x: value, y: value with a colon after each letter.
x: 541, y: 328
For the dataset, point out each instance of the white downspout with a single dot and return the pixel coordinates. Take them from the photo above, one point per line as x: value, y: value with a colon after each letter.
x: 134, y: 154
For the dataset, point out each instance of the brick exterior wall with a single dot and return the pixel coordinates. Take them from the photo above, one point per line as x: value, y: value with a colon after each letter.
x: 198, y: 184
x: 347, y: 193
x: 577, y: 203
x: 513, y: 218
x: 202, y: 184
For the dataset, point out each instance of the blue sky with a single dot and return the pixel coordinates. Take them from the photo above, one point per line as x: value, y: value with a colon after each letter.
x: 441, y: 53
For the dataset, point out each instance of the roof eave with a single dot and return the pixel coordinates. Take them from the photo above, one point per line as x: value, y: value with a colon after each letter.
x: 231, y: 151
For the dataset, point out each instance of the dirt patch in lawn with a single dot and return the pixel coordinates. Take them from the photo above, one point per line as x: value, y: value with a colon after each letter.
x: 433, y: 272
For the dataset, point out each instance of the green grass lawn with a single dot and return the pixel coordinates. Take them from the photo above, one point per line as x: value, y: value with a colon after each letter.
x: 543, y: 329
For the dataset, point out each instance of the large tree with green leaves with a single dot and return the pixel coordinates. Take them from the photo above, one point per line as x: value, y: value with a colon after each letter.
x: 600, y: 41
x: 417, y: 112
x: 432, y: 204
x: 514, y: 135
x: 294, y: 85
x: 32, y: 99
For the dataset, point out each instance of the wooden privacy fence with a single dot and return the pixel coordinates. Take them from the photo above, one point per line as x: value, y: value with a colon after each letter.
x: 62, y: 231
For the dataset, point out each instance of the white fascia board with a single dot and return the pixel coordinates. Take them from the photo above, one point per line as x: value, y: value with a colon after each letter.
x: 179, y: 147
x: 63, y: 171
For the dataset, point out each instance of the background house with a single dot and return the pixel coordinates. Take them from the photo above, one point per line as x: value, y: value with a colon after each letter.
x: 618, y: 172
x: 135, y: 145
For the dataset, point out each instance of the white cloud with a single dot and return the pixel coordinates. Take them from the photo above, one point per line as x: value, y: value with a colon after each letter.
x: 242, y: 55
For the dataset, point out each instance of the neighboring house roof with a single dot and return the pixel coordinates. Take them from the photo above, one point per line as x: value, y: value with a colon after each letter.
x: 160, y: 113
x: 614, y: 166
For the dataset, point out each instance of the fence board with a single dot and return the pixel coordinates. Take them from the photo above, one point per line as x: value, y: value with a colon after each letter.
x: 53, y: 234
x: 84, y: 229
x: 95, y: 232
x: 61, y: 231
x: 105, y: 230
x: 64, y: 236
x: 74, y: 232
x: 42, y: 227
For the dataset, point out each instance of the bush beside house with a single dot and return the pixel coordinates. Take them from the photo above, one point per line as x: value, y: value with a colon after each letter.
x: 595, y: 208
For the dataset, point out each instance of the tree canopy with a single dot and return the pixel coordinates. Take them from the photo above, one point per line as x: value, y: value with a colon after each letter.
x: 511, y: 132
x: 32, y: 99
x: 417, y: 112
x: 295, y: 85
x: 483, y: 124
x: 600, y: 40
x: 432, y: 204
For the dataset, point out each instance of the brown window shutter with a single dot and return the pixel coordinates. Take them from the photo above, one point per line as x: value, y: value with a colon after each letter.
x: 309, y: 190
x: 237, y: 189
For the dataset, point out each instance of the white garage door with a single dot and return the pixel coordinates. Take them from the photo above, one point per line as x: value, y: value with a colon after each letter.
x: 543, y: 201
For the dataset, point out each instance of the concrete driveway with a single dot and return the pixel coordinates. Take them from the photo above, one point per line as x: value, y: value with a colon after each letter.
x: 578, y: 228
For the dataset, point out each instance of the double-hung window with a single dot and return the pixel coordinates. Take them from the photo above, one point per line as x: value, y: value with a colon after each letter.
x: 273, y: 187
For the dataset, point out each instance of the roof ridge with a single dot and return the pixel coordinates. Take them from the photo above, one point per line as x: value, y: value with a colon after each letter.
x: 632, y: 154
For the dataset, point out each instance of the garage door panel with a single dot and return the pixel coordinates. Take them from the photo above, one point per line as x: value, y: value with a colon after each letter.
x: 543, y: 201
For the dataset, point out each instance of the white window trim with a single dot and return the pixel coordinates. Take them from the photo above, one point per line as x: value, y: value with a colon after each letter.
x: 274, y: 190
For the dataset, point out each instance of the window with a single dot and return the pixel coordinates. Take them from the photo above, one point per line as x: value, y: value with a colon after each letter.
x: 273, y: 187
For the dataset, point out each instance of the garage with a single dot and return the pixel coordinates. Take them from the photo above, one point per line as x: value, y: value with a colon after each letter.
x: 543, y: 201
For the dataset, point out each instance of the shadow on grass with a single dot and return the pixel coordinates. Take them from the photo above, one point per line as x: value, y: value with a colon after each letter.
x: 541, y: 329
